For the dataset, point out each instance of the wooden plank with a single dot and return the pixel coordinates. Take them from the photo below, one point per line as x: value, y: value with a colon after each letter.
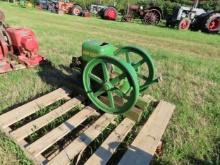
x: 110, y: 145
x: 19, y: 67
x: 80, y: 143
x: 58, y: 133
x: 23, y: 111
x: 144, y: 101
x: 141, y: 105
x: 144, y: 146
x: 35, y: 125
x: 134, y: 114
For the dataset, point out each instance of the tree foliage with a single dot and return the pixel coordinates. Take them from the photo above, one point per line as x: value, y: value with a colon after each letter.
x: 165, y: 4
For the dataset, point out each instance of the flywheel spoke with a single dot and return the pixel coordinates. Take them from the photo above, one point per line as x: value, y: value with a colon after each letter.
x: 120, y: 93
x: 111, y: 99
x: 128, y: 58
x: 142, y: 76
x: 138, y: 64
x: 105, y: 72
x: 117, y: 79
x: 96, y: 78
x: 99, y: 92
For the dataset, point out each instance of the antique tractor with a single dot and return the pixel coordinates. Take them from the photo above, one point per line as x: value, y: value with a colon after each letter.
x: 195, y: 18
x: 148, y: 15
x: 113, y: 78
x: 64, y: 7
x: 17, y: 45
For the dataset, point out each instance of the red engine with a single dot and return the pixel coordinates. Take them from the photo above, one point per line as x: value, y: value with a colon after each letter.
x: 25, y: 46
x: 17, y: 46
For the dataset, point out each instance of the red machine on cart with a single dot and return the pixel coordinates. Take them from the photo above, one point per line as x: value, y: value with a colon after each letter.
x: 105, y: 12
x: 17, y: 46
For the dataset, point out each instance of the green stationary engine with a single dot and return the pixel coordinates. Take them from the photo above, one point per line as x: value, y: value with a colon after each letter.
x: 113, y: 77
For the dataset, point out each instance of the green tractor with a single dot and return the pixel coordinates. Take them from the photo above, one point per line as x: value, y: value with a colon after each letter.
x: 114, y: 78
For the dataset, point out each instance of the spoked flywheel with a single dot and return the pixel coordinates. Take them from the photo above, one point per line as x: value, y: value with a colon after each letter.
x: 141, y: 62
x: 104, y: 77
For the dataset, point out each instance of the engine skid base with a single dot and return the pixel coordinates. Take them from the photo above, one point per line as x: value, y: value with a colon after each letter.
x: 31, y: 62
x: 5, y: 67
x: 10, y: 66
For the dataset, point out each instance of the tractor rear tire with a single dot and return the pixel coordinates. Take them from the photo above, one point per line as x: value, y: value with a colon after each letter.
x: 152, y: 17
x: 184, y: 24
x: 77, y: 10
x: 212, y: 23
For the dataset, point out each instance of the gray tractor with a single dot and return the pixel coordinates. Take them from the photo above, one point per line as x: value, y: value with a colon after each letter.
x: 195, y: 19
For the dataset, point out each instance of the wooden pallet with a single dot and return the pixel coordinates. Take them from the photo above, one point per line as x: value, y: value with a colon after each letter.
x: 140, y: 151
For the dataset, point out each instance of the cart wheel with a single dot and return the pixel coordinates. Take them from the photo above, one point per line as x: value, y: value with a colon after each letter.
x: 141, y: 62
x: 77, y: 10
x: 152, y: 17
x: 184, y: 24
x: 98, y: 73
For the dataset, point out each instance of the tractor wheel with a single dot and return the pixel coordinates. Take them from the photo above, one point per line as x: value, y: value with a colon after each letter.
x: 212, y: 23
x: 104, y: 77
x: 77, y: 10
x: 7, y: 39
x: 110, y: 13
x: 184, y: 24
x: 152, y: 17
x: 2, y: 16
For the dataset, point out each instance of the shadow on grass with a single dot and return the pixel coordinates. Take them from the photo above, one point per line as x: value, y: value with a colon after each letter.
x: 49, y: 74
x: 62, y: 77
x: 214, y: 160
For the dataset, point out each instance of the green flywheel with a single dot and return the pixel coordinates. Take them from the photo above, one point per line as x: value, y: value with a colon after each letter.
x: 103, y: 85
x: 141, y: 61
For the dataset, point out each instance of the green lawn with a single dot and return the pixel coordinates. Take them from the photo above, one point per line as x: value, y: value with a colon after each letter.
x: 188, y: 61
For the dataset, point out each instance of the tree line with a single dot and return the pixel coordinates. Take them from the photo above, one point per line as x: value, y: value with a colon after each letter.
x: 164, y: 4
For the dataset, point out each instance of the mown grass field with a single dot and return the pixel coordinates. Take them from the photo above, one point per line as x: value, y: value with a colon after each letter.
x: 188, y: 61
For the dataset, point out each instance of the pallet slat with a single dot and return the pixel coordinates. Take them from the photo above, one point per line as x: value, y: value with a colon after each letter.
x: 58, y: 133
x: 142, y: 149
x: 35, y: 125
x: 109, y: 146
x: 21, y: 112
x: 80, y: 143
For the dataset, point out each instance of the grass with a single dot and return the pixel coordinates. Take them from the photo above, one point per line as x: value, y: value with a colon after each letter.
x: 189, y: 62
